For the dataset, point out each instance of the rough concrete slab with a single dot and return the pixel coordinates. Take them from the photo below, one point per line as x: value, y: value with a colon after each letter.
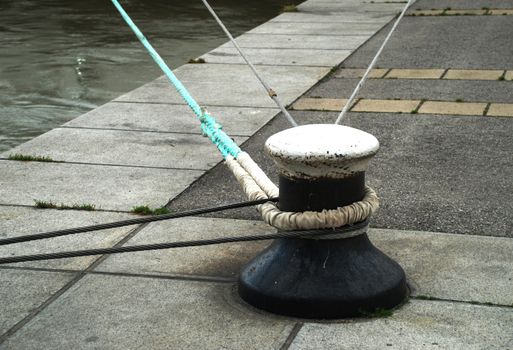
x: 284, y: 41
x: 20, y: 221
x: 455, y: 108
x: 500, y: 110
x: 322, y: 28
x: 305, y: 17
x: 135, y: 148
x: 386, y: 106
x: 355, y: 7
x: 113, y: 312
x: 412, y: 89
x: 277, y: 57
x: 375, y: 73
x: 452, y: 267
x: 461, y: 4
x: 319, y: 104
x: 432, y: 173
x: 415, y: 73
x: 23, y: 291
x: 230, y: 85
x: 171, y: 118
x: 417, y: 325
x: 106, y: 187
x: 223, y: 260
x: 474, y: 74
x: 475, y: 42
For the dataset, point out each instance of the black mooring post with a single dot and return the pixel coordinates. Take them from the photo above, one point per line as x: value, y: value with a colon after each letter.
x: 322, y: 167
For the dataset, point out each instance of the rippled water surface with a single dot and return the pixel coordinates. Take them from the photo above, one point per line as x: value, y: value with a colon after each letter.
x: 59, y: 59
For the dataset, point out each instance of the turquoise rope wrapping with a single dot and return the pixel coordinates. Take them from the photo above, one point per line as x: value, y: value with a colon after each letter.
x: 209, y: 126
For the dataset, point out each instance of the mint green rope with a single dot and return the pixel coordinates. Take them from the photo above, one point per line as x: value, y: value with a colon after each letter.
x: 209, y: 126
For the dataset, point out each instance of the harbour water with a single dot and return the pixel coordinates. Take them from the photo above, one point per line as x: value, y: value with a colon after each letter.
x: 59, y: 59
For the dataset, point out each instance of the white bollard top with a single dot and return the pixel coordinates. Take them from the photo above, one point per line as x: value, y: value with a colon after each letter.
x: 321, y: 150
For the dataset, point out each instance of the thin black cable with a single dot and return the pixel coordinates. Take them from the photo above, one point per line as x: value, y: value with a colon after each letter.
x: 129, y: 222
x: 195, y: 243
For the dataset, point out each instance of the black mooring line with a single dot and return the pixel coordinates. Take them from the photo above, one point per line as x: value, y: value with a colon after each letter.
x: 129, y: 222
x: 183, y: 244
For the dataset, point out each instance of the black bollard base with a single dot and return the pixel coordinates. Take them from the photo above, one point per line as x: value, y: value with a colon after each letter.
x: 323, y: 279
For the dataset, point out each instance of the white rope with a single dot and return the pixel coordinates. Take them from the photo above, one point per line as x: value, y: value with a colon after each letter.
x: 308, y: 220
x: 371, y: 65
x: 272, y: 93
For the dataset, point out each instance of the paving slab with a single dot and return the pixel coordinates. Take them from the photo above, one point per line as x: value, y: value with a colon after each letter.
x: 319, y: 104
x: 508, y: 75
x: 171, y: 118
x: 461, y: 4
x: 230, y: 85
x: 357, y: 6
x: 455, y: 108
x: 106, y: 187
x: 291, y: 57
x: 417, y: 325
x: 412, y: 89
x: 351, y: 17
x: 415, y: 73
x: 474, y: 42
x: 113, y: 312
x: 499, y: 12
x: 387, y: 106
x: 23, y: 291
x: 500, y: 110
x: 20, y: 221
x: 319, y: 28
x: 223, y: 260
x: 149, y: 149
x: 466, y: 268
x: 284, y: 41
x: 474, y: 74
x: 433, y: 173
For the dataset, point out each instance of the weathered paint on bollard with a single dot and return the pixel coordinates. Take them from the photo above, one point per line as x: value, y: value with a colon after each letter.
x: 322, y: 167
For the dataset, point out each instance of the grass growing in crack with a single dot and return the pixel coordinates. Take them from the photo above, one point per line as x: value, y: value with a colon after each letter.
x: 424, y: 297
x: 413, y: 112
x: 459, y: 100
x: 146, y: 210
x: 28, y: 158
x: 377, y: 313
x: 289, y: 8
x: 62, y: 206
x: 196, y: 60
x: 501, y: 78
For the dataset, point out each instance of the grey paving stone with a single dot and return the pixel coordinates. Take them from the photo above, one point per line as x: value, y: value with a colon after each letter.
x: 20, y: 221
x: 321, y: 28
x: 184, y: 151
x: 444, y: 90
x: 417, y: 325
x: 471, y: 42
x: 443, y: 174
x: 356, y: 6
x: 23, y: 291
x: 223, y: 260
x: 112, y: 312
x: 284, y: 41
x: 453, y: 267
x: 230, y: 85
x: 292, y: 57
x: 106, y: 187
x: 461, y: 4
x: 172, y: 118
x: 305, y: 17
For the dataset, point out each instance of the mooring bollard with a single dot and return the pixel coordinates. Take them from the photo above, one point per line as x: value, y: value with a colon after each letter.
x: 322, y: 167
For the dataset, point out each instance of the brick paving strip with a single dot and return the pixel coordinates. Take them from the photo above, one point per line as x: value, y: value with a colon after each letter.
x: 407, y: 106
x: 428, y: 73
x: 462, y: 12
